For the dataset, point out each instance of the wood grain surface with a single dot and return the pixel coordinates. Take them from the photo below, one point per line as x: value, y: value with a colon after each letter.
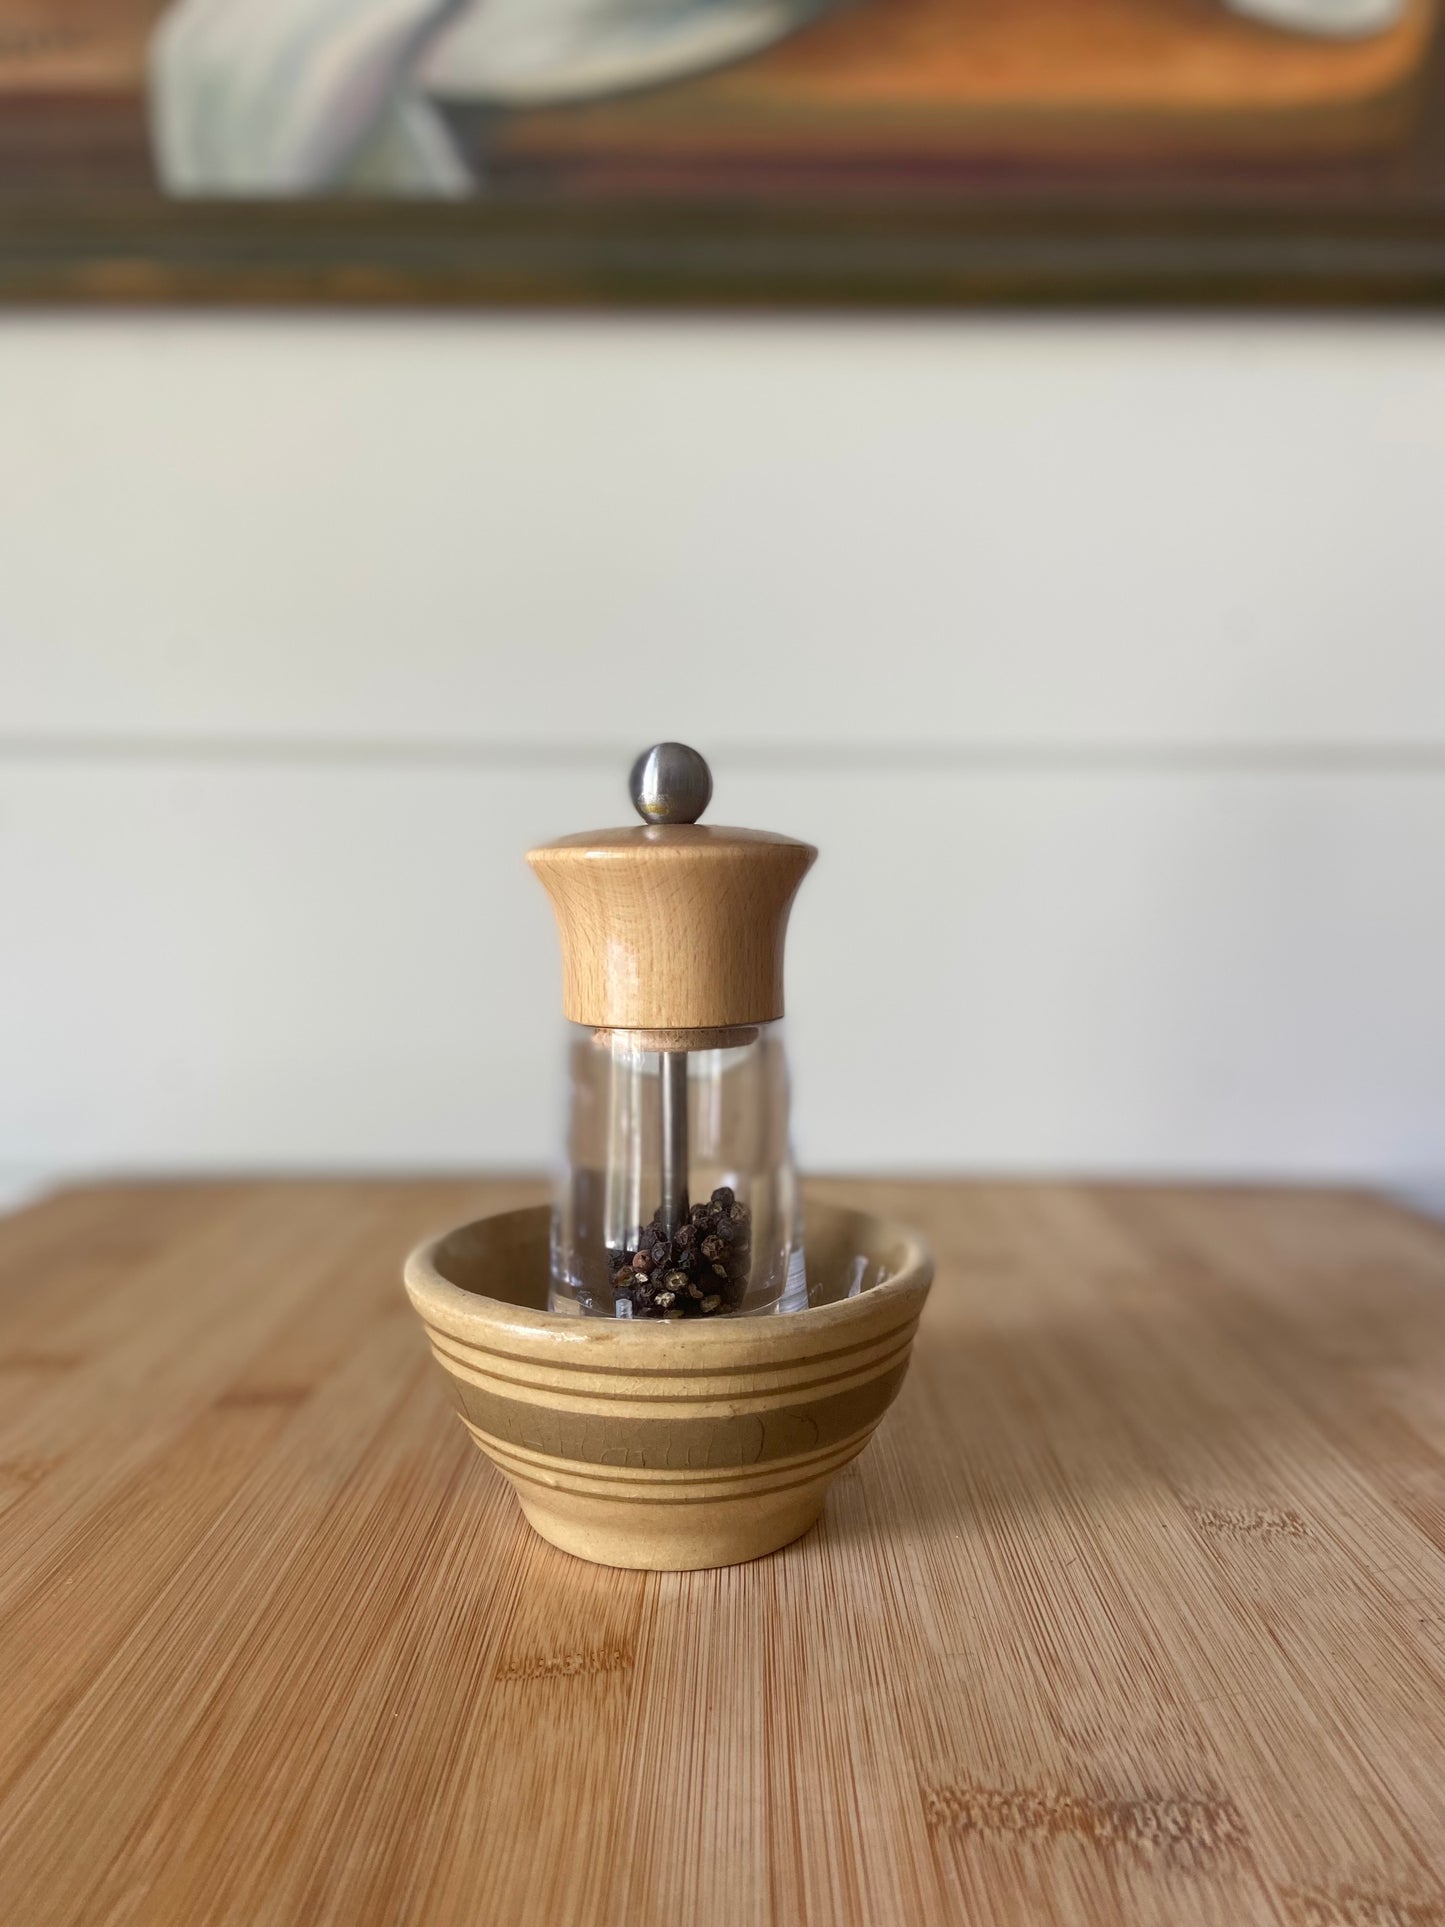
x: 1134, y: 1611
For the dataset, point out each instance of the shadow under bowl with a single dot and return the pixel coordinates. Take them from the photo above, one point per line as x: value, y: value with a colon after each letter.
x: 672, y: 1445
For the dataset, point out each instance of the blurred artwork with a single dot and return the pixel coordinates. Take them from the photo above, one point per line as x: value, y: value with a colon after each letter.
x: 929, y: 133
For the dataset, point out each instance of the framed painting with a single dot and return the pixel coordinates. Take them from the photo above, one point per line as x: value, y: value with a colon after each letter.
x: 733, y: 151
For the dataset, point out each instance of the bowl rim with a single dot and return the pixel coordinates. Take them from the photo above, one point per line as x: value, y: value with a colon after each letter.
x: 894, y: 1300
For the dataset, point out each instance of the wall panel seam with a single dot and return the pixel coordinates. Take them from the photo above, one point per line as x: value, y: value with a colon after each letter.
x: 1002, y: 757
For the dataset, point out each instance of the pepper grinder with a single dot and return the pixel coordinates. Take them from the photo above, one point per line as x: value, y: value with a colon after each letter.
x: 678, y: 1198
x: 615, y: 1354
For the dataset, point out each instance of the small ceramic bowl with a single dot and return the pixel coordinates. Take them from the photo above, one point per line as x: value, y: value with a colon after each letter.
x: 669, y: 1445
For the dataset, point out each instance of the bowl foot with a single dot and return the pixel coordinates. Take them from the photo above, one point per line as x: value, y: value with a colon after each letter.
x: 671, y: 1536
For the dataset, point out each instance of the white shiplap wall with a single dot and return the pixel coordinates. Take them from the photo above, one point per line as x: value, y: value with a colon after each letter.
x: 1105, y: 659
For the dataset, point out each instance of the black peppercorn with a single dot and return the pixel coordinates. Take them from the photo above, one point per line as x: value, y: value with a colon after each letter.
x: 699, y: 1271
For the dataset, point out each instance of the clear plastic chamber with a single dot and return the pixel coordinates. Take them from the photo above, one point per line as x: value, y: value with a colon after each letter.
x: 678, y: 1198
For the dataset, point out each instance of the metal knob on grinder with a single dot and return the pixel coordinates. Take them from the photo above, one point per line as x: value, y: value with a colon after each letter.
x: 670, y: 783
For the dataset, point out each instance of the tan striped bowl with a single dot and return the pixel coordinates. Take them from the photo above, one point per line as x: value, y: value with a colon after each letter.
x: 670, y: 1446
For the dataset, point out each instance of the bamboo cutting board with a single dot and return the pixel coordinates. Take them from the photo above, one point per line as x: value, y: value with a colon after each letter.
x: 1133, y: 1612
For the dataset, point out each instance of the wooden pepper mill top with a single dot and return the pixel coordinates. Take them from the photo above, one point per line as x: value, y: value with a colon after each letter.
x: 672, y: 925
